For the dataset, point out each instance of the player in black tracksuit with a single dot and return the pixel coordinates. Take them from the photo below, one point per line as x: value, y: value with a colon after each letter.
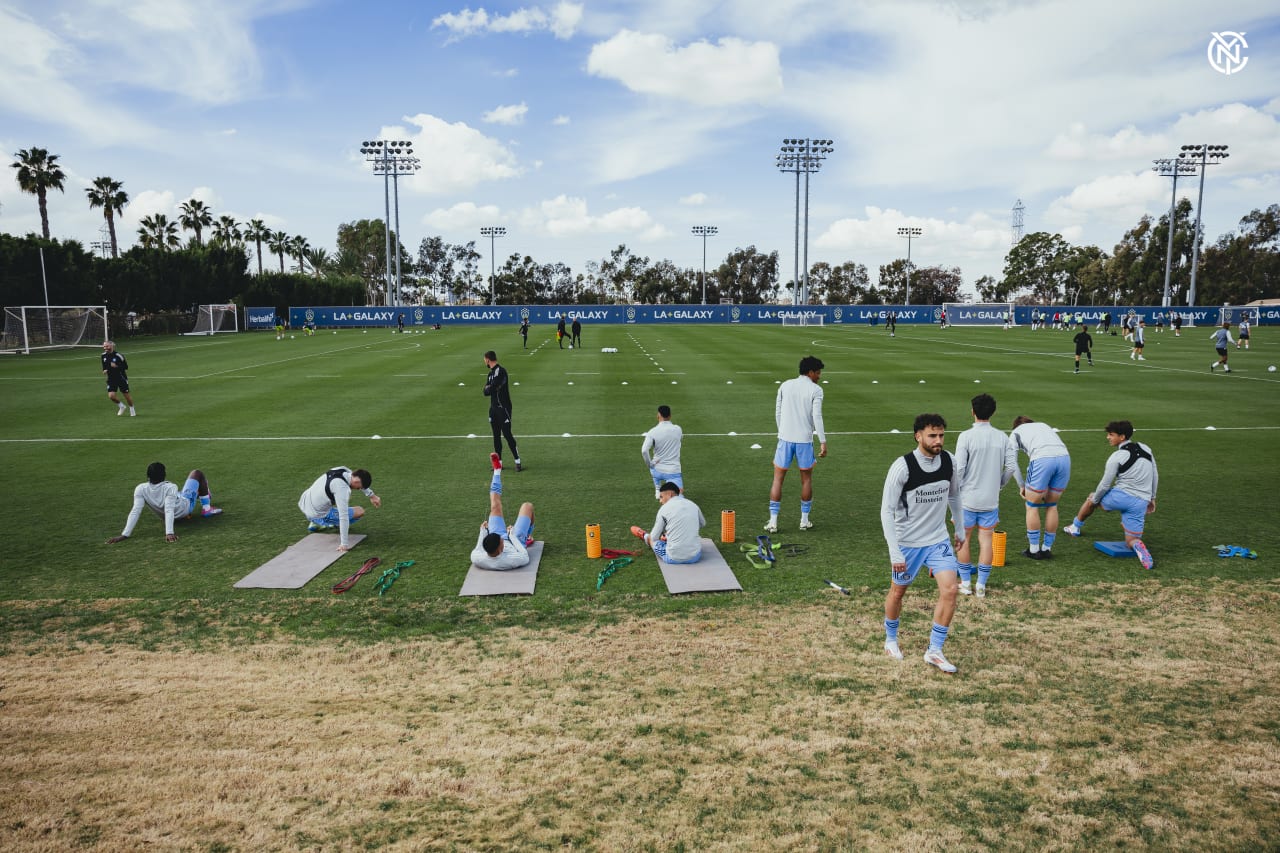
x: 497, y: 388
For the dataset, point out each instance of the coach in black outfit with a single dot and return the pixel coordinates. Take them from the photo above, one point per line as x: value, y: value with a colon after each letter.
x: 116, y: 369
x: 497, y: 388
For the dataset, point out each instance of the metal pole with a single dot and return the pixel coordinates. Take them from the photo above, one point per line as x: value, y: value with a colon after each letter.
x: 493, y: 278
x: 795, y: 293
x: 805, y: 289
x: 395, y: 181
x: 44, y: 279
x: 1168, y: 255
x: 704, y: 267
x: 386, y: 197
x: 908, y: 302
x: 1195, y: 242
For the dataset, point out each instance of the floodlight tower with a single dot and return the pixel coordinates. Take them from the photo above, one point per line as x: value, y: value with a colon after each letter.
x: 493, y: 232
x: 909, y: 232
x: 704, y: 231
x: 382, y: 153
x: 802, y: 155
x: 1018, y: 211
x: 397, y: 166
x: 1171, y: 167
x: 1203, y: 156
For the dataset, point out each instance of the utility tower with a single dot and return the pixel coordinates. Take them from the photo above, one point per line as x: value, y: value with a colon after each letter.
x: 1018, y: 211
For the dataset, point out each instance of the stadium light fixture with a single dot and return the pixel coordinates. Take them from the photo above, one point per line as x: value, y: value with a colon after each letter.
x: 1171, y: 167
x: 493, y: 232
x: 909, y: 232
x: 802, y: 156
x: 391, y: 159
x: 1203, y: 156
x: 704, y: 231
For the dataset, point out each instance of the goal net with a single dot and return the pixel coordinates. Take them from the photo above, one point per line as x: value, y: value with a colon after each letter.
x: 802, y: 318
x: 1233, y: 314
x: 35, y: 327
x: 212, y: 319
x: 978, y: 314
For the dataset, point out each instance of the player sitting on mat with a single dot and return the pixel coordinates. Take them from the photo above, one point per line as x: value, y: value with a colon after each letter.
x: 167, y: 500
x: 499, y: 548
x: 676, y: 536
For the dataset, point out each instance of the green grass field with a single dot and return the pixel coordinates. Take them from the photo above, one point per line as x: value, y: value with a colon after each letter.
x: 1097, y: 705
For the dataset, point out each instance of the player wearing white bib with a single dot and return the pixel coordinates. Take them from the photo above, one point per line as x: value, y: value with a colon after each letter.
x: 166, y: 500
x: 913, y: 516
x: 328, y: 501
x: 798, y: 413
x: 983, y: 471
x: 1129, y: 483
x: 1048, y: 472
x: 661, y: 452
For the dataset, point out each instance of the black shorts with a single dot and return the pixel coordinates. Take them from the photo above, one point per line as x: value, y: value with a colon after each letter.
x: 1222, y: 351
x: 121, y: 384
x: 1082, y: 352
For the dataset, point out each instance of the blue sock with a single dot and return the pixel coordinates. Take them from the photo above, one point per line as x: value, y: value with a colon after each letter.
x: 775, y: 507
x: 891, y: 629
x: 984, y: 572
x: 966, y: 571
x: 496, y: 484
x: 1079, y: 524
x: 1048, y: 540
x: 805, y: 506
x: 937, y: 636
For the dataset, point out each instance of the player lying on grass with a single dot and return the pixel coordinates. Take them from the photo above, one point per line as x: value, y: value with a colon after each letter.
x: 498, y: 548
x: 167, y: 500
x: 327, y: 503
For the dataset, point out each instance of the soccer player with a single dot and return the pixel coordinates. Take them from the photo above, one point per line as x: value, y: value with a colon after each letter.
x: 499, y: 548
x: 166, y: 500
x: 327, y: 502
x: 677, y: 530
x: 576, y: 334
x: 661, y: 452
x: 116, y: 369
x: 913, y: 514
x: 279, y: 324
x: 891, y: 323
x: 560, y: 333
x: 1244, y: 330
x: 798, y: 413
x: 1129, y: 483
x: 1048, y: 472
x: 524, y: 332
x: 1177, y: 325
x: 400, y: 324
x: 497, y: 387
x: 1139, y: 327
x: 1221, y: 339
x: 1084, y: 346
x: 983, y: 472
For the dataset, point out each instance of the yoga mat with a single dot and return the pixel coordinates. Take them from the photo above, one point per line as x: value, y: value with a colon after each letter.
x: 298, y: 564
x: 511, y: 582
x: 710, y: 574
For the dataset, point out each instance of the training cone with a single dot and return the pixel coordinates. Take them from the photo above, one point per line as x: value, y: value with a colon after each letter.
x: 999, y: 539
x: 593, y: 541
x: 728, y: 525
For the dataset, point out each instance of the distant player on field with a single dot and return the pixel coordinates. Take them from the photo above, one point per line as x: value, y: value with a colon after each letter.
x: 1048, y: 472
x: 983, y: 471
x: 116, y: 369
x: 1129, y: 483
x: 500, y: 548
x: 166, y: 500
x: 1221, y: 340
x: 1244, y: 330
x: 1084, y: 346
x: 661, y: 452
x: 798, y: 413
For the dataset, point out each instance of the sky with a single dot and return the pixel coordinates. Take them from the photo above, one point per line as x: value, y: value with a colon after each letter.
x: 582, y: 126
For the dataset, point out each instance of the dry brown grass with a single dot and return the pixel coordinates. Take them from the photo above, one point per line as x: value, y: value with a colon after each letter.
x: 1150, y: 722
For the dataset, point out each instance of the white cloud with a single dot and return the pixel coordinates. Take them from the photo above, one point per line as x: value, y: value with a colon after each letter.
x: 454, y: 157
x: 1117, y: 199
x: 694, y: 200
x: 729, y: 72
x: 562, y: 21
x: 508, y: 114
x: 560, y: 121
x: 465, y: 216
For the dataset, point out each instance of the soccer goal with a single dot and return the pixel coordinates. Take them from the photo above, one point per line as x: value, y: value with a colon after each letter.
x: 978, y: 314
x: 802, y: 318
x: 34, y: 327
x: 1233, y: 314
x: 212, y: 319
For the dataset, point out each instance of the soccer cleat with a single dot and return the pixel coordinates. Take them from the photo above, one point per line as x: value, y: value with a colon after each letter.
x: 891, y: 649
x: 315, y: 528
x: 496, y: 461
x: 1072, y: 530
x: 209, y: 511
x: 1212, y: 366
x: 119, y: 411
x: 965, y: 588
x: 806, y: 524
x: 771, y: 526
x: 980, y: 591
x: 1142, y: 358
x: 132, y: 413
x: 638, y: 531
x: 1226, y: 368
x: 1144, y: 556
x: 1132, y: 357
x: 1046, y: 554
x: 1077, y: 370
x: 1031, y: 555
x: 519, y: 467
x: 935, y: 657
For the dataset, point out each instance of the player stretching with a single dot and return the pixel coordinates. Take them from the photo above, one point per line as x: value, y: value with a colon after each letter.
x: 1048, y: 472
x: 166, y: 500
x: 798, y: 412
x: 1129, y: 484
x: 499, y: 548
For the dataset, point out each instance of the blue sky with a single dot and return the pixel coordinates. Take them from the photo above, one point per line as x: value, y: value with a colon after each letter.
x: 580, y: 126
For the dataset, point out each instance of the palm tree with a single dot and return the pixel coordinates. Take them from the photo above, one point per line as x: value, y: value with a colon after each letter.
x: 39, y: 172
x: 227, y: 231
x: 157, y: 232
x: 278, y: 243
x: 319, y: 260
x: 108, y: 194
x: 196, y: 216
x: 257, y: 231
x: 298, y: 248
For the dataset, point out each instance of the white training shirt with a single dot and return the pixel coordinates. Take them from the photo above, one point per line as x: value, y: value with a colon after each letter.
x: 1038, y: 441
x: 980, y: 458
x: 661, y: 448
x: 514, y: 554
x: 798, y: 411
x: 1141, y: 480
x: 925, y: 522
x: 681, y: 521
x: 163, y: 499
x: 314, y: 503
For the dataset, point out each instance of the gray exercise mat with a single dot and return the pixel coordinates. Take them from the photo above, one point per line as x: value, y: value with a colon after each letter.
x: 709, y: 574
x: 511, y: 582
x: 299, y: 563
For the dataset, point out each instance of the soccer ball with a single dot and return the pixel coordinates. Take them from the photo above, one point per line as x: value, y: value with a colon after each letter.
x: 291, y: 337
x: 1271, y: 369
x: 570, y: 346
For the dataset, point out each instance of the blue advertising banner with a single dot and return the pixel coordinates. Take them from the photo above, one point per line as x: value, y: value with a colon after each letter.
x: 259, y: 318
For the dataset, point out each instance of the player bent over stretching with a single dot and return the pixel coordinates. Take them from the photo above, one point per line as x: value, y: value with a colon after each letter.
x: 499, y: 548
x: 1128, y: 484
x: 328, y: 501
x: 167, y: 500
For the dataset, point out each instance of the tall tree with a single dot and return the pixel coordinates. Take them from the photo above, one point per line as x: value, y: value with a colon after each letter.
x: 39, y: 172
x: 298, y: 248
x: 361, y: 245
x: 226, y: 232
x: 749, y: 276
x: 319, y: 260
x: 843, y: 285
x: 157, y: 232
x: 196, y: 216
x: 278, y: 243
x: 257, y: 231
x: 108, y: 194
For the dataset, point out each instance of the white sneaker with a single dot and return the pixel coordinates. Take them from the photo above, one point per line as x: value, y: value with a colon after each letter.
x: 806, y: 524
x: 1226, y: 369
x: 1132, y: 356
x: 935, y: 657
x: 119, y: 411
x: 771, y: 526
x: 980, y: 591
x: 1072, y: 530
x: 1142, y: 358
x: 133, y: 413
x: 891, y: 649
x: 965, y: 588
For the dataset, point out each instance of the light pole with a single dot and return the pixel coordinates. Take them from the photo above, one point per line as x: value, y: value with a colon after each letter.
x: 1171, y: 167
x: 802, y: 155
x: 390, y: 158
x: 704, y: 231
x: 395, y: 167
x: 493, y: 232
x: 1203, y: 156
x: 909, y: 232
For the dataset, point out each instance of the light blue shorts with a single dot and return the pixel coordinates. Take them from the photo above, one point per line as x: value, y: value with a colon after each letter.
x: 1133, y: 511
x: 986, y: 519
x: 659, y: 479
x: 660, y: 548
x: 520, y: 532
x: 331, y: 517
x: 191, y: 493
x: 788, y: 451
x: 1049, y: 475
x: 939, y: 558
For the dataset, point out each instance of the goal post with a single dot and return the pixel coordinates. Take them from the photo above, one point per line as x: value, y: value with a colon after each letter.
x: 802, y: 318
x: 37, y: 327
x: 1233, y: 314
x: 213, y: 319
x: 978, y: 313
